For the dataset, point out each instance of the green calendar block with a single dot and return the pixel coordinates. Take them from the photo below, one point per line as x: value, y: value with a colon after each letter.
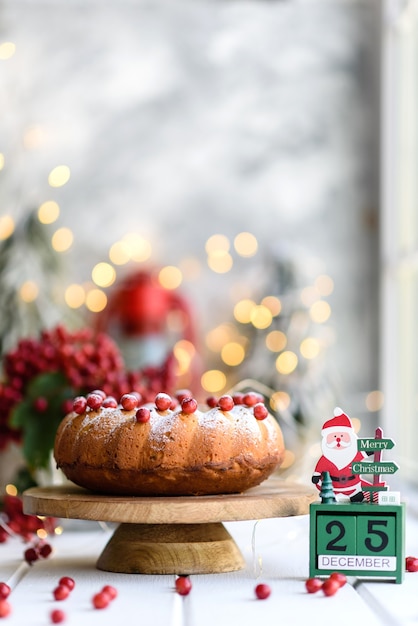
x: 363, y: 540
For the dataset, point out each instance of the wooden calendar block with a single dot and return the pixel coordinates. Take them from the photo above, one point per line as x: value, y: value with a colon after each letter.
x: 363, y: 540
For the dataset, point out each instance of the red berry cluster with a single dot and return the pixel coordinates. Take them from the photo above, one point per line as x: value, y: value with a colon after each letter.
x: 249, y: 399
x: 18, y: 523
x: 104, y: 597
x: 87, y: 360
x: 329, y: 586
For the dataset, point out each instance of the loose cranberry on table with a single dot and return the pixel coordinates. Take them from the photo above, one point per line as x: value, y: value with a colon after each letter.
x: 330, y: 587
x: 5, y: 608
x: 183, y: 585
x: 61, y: 592
x: 411, y: 564
x: 4, y: 591
x: 31, y: 555
x: 111, y: 591
x: 262, y: 591
x: 57, y: 616
x: 313, y: 585
x: 101, y: 600
x: 45, y: 550
x: 339, y: 577
x: 67, y: 581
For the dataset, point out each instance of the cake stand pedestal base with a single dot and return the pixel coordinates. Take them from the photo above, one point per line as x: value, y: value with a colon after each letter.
x: 171, y: 549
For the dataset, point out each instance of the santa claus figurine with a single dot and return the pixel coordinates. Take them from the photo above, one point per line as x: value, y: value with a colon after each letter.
x: 339, y: 452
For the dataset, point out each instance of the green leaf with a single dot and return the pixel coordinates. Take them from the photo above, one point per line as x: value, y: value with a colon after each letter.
x: 39, y: 428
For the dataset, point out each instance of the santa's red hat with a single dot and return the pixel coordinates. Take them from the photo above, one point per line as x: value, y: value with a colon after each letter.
x: 339, y: 423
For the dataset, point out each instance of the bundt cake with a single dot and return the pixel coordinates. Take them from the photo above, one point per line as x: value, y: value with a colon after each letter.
x: 170, y: 447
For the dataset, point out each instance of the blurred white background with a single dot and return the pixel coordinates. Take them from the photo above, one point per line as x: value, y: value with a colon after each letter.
x: 177, y: 120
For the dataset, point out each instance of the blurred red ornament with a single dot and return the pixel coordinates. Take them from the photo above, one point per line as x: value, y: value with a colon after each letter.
x: 147, y: 320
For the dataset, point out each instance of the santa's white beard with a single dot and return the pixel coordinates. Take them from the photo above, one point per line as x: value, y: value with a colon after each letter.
x: 341, y: 457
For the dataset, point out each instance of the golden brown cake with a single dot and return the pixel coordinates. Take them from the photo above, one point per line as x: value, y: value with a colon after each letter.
x: 170, y: 447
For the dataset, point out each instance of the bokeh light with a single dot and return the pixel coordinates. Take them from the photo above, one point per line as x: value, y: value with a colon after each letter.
x: 103, y: 274
x: 261, y: 317
x: 213, y: 381
x: 320, y: 311
x: 7, y: 226
x: 48, y: 212
x: 170, y: 277
x: 29, y: 291
x: 276, y: 341
x: 75, y: 296
x: 243, y: 310
x: 375, y: 400
x: 7, y: 50
x: 96, y: 300
x: 62, y: 239
x: 310, y: 347
x: 286, y: 362
x: 232, y: 354
x: 246, y: 244
x: 59, y: 176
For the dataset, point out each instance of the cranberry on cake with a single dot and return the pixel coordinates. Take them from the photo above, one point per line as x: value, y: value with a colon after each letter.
x: 169, y: 447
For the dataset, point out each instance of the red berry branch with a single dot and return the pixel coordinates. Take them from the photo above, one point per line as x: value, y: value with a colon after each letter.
x: 42, y: 376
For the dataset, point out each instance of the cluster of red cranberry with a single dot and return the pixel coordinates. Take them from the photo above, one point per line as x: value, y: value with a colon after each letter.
x: 329, y: 586
x: 18, y: 523
x: 85, y: 359
x: 163, y: 401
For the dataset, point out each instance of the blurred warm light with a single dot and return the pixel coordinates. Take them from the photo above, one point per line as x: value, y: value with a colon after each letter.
x: 75, y: 296
x: 33, y: 137
x: 29, y: 291
x: 309, y: 348
x: 261, y: 317
x: 243, y: 310
x: 273, y: 304
x: 356, y: 424
x: 58, y: 530
x: 42, y: 533
x: 280, y: 401
x: 184, y: 352
x: 246, y: 244
x: 309, y: 295
x: 7, y: 226
x: 103, y: 274
x: 11, y: 490
x: 1, y: 160
x: 217, y: 243
x: 286, y: 362
x: 320, y: 311
x: 232, y: 354
x: 324, y: 284
x: 219, y: 336
x: 96, y: 300
x: 48, y: 212
x: 288, y: 459
x: 213, y: 381
x: 170, y: 277
x: 375, y: 400
x: 62, y: 239
x: 7, y: 50
x: 120, y: 253
x: 59, y: 176
x: 276, y: 341
x: 220, y: 261
x: 140, y: 248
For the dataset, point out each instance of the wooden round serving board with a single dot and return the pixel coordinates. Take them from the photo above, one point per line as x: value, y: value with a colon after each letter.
x: 171, y: 535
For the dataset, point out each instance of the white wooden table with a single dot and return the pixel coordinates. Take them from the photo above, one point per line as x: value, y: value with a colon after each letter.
x: 276, y: 552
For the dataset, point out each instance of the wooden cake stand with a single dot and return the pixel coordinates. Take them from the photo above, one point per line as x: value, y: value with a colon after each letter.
x: 171, y: 535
